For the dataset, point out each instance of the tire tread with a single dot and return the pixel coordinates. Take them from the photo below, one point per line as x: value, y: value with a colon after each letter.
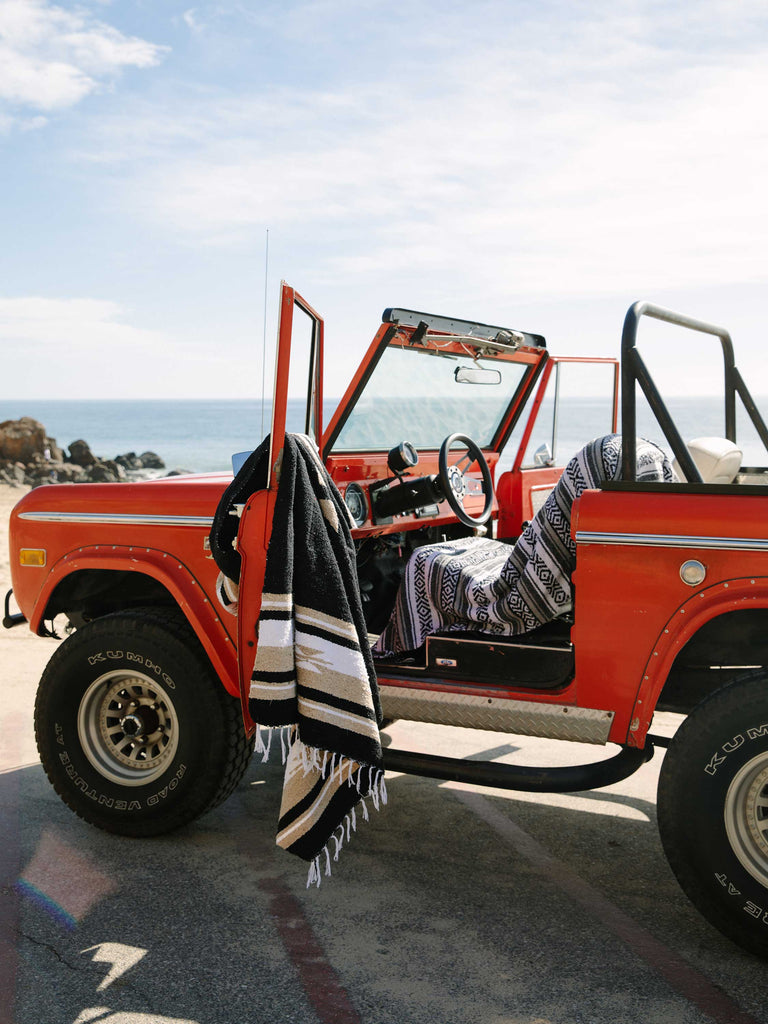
x: 702, y: 732
x: 237, y: 748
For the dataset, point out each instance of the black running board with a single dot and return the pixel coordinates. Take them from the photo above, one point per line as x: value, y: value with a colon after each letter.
x: 571, y: 779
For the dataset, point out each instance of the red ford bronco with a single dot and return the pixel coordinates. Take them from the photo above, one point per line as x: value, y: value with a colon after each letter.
x: 141, y: 715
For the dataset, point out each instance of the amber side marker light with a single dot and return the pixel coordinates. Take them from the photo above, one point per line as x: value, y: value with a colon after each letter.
x: 32, y: 556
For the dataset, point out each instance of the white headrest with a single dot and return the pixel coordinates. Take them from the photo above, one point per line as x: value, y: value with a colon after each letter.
x: 717, y: 459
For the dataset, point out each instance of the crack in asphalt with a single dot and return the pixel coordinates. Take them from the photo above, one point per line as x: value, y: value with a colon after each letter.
x: 56, y: 953
x: 119, y: 988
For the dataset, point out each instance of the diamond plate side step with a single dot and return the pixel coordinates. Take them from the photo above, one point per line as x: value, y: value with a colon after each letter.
x: 497, y: 714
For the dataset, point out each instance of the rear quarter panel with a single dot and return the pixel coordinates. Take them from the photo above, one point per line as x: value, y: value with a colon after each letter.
x: 633, y: 612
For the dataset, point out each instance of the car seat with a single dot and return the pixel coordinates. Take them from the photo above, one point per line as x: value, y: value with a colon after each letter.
x: 487, y: 586
x: 717, y: 459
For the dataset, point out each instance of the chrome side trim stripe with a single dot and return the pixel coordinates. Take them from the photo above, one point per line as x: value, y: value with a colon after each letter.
x: 117, y: 519
x: 663, y: 540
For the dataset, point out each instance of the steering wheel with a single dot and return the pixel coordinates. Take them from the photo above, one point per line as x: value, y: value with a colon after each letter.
x: 453, y: 481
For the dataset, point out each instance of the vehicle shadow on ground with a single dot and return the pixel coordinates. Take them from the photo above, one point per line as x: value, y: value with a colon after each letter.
x: 429, y: 915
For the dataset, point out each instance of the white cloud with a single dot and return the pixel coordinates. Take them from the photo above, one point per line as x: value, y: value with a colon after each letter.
x: 51, y: 58
x: 76, y: 324
x: 90, y: 348
x: 192, y: 20
x: 44, y: 84
x: 502, y: 152
x: 538, y: 174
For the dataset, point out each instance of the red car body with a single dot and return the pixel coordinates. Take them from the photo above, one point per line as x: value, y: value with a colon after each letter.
x: 641, y: 636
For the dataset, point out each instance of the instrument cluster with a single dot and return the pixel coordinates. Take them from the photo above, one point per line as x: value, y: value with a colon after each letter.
x: 399, y: 495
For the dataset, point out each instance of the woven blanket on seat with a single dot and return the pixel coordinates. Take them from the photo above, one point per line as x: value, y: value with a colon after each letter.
x: 482, y: 585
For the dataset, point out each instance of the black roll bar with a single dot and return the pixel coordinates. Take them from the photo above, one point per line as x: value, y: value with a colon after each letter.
x: 634, y: 370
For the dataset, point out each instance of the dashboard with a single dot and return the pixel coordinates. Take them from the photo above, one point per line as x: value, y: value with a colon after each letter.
x: 399, y: 498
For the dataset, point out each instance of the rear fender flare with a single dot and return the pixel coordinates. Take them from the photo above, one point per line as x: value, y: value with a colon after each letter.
x: 703, y: 606
x: 180, y: 582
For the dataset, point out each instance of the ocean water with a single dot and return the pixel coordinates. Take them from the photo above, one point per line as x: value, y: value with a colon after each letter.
x: 201, y: 436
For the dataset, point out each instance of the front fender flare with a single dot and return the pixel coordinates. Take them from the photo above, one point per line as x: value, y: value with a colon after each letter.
x: 180, y: 582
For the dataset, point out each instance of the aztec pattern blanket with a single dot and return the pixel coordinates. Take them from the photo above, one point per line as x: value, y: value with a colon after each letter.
x: 478, y: 584
x: 313, y: 673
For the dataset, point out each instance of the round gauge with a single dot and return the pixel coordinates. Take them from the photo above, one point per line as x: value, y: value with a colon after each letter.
x: 403, y: 456
x: 354, y: 499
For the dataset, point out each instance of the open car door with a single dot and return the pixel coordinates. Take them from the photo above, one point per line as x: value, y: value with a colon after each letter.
x: 297, y: 407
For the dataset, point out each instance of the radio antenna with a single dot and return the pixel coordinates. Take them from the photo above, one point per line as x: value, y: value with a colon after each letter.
x: 264, y: 340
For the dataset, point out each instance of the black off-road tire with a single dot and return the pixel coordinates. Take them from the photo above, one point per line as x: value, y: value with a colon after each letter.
x: 135, y: 730
x: 713, y: 810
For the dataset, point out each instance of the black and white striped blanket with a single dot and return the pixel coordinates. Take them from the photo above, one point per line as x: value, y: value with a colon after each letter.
x: 478, y: 584
x: 313, y: 673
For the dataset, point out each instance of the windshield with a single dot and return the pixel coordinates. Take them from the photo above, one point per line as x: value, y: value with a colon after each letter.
x: 413, y: 394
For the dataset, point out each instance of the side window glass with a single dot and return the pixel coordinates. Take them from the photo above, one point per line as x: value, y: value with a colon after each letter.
x: 578, y: 406
x: 584, y: 407
x: 542, y: 440
x: 301, y: 409
x: 297, y: 404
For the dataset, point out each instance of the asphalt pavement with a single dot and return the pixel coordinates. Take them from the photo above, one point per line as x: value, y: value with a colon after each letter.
x: 452, y: 905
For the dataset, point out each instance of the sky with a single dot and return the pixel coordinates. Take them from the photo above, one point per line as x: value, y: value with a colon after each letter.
x: 540, y: 164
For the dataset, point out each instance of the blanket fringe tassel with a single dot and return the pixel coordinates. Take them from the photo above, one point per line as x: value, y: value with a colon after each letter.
x: 328, y: 765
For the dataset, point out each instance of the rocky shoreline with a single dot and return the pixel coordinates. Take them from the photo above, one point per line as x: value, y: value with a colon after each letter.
x: 29, y: 457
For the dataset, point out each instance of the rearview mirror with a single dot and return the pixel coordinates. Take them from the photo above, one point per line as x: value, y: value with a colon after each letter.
x: 476, y: 375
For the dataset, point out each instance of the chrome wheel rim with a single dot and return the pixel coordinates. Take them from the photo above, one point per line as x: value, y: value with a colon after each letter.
x: 746, y: 817
x: 128, y: 728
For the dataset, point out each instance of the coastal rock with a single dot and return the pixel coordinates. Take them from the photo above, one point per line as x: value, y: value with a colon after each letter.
x: 129, y: 461
x: 28, y: 456
x: 150, y: 460
x: 54, y: 473
x: 68, y: 473
x: 21, y: 440
x: 51, y: 450
x: 114, y: 467
x: 105, y: 471
x: 80, y: 453
x: 13, y: 473
x: 36, y: 471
